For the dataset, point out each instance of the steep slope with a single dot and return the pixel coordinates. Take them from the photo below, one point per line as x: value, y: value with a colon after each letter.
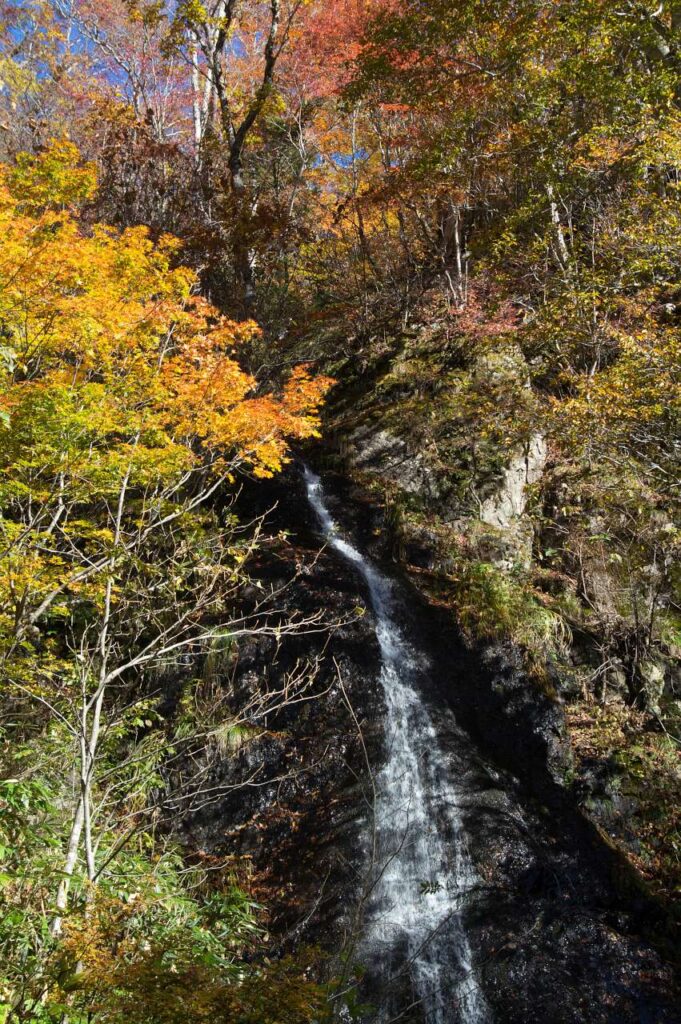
x: 501, y: 530
x: 410, y: 817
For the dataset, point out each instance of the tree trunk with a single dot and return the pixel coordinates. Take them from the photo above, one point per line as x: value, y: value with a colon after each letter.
x: 244, y: 262
x: 69, y: 866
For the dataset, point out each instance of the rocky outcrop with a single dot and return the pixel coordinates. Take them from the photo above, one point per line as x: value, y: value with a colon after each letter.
x: 504, y: 508
x: 652, y: 677
x: 390, y: 458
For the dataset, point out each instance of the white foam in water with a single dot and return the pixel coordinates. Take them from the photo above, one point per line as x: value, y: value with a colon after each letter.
x: 423, y: 869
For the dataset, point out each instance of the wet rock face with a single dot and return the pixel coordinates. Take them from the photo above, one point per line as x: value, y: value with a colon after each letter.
x: 557, y: 934
x: 549, y: 949
x: 555, y: 919
x: 522, y: 727
x: 290, y: 802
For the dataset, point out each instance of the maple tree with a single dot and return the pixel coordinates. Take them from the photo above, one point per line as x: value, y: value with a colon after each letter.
x: 123, y: 411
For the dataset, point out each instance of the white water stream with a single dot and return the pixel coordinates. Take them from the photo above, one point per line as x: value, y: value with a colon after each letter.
x: 422, y: 868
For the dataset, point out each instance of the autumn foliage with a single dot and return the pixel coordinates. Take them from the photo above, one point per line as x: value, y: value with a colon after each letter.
x: 468, y: 213
x: 123, y: 410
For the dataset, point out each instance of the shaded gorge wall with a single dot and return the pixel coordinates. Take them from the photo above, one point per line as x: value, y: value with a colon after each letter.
x: 539, y: 918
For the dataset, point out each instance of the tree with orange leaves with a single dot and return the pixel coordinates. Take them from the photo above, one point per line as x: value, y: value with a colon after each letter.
x: 123, y: 410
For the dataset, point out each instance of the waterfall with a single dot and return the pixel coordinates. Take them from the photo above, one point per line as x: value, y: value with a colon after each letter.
x: 422, y: 870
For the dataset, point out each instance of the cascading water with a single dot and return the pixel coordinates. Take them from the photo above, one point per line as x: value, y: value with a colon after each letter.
x: 422, y: 868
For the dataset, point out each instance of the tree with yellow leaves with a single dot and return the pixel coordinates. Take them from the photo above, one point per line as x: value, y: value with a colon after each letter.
x: 124, y: 411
